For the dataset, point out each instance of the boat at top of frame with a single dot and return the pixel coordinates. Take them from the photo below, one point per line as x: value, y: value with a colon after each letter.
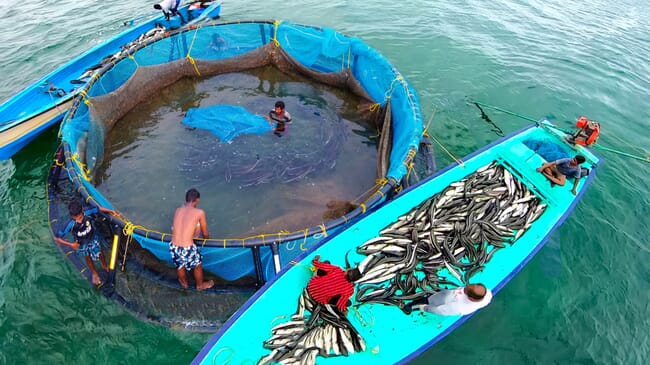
x: 44, y: 103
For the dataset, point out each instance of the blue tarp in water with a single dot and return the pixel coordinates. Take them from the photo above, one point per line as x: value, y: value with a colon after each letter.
x: 226, y: 121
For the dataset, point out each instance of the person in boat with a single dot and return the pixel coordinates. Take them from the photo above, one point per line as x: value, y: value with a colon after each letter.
x: 331, y: 285
x: 453, y: 302
x: 558, y: 171
x: 169, y: 8
x: 280, y: 117
x: 86, y: 239
x: 188, y: 221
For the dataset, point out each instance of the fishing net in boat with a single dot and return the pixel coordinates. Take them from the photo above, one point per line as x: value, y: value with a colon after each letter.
x: 322, y: 55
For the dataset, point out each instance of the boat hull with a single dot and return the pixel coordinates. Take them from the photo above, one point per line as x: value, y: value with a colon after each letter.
x: 390, y: 335
x: 30, y: 112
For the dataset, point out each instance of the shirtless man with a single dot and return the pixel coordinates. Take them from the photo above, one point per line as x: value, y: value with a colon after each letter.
x: 188, y: 219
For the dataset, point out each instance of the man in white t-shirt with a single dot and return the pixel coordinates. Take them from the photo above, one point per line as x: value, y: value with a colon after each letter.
x: 453, y: 302
x: 169, y: 8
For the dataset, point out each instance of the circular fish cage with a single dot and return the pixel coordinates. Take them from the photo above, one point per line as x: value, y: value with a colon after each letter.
x: 153, y: 63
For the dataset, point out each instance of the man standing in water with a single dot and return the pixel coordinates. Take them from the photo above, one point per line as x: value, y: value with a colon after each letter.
x: 188, y: 219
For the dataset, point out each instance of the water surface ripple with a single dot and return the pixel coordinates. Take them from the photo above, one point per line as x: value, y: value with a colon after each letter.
x: 583, y: 299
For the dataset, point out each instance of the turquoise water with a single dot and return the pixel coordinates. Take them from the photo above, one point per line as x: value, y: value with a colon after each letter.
x: 584, y: 297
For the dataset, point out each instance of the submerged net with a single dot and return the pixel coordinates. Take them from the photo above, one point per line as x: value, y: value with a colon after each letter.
x: 322, y: 55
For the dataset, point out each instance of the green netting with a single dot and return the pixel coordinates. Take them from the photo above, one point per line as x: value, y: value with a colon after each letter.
x: 320, y: 54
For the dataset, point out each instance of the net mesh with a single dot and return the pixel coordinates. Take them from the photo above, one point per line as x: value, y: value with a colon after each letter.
x: 320, y: 54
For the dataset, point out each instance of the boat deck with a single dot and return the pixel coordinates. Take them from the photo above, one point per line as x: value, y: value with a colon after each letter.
x: 390, y: 335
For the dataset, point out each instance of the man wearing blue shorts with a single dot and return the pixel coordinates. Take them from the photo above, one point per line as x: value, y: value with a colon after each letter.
x: 86, y: 241
x: 188, y: 222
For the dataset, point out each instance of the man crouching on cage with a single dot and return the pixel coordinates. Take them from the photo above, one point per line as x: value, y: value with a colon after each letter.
x: 188, y: 219
x: 86, y: 239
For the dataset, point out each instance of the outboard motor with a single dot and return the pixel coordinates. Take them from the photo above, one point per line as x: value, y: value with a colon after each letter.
x: 587, y: 132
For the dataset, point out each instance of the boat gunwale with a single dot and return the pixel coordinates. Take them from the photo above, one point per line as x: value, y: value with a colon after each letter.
x: 208, y: 347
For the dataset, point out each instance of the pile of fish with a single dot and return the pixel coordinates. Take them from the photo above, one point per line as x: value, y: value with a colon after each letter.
x: 324, y: 332
x: 125, y: 51
x: 459, y: 230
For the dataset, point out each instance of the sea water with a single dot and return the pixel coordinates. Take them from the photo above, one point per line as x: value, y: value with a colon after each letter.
x: 582, y: 299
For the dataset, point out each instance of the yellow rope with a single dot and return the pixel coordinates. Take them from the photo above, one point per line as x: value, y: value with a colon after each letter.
x: 84, y: 95
x: 276, y: 24
x: 374, y: 107
x: 82, y: 167
x: 308, y: 267
x: 272, y: 323
x: 192, y: 61
x: 426, y: 129
x: 128, y: 230
x: 357, y: 313
x: 459, y: 161
x: 322, y: 227
x: 304, y: 241
x: 134, y: 60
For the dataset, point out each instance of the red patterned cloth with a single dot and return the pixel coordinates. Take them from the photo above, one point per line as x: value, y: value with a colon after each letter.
x: 328, y: 283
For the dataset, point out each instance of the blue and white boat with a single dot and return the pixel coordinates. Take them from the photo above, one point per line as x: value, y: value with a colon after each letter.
x: 39, y: 106
x: 387, y: 334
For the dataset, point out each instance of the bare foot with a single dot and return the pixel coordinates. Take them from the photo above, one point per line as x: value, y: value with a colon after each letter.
x: 96, y: 280
x: 206, y: 285
x: 183, y: 283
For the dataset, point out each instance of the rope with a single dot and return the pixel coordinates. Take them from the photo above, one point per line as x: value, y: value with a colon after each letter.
x: 189, y: 50
x: 458, y: 161
x: 214, y: 357
x: 426, y: 129
x: 359, y: 316
x: 603, y: 148
x: 128, y: 230
x: 308, y: 267
x: 322, y: 227
x: 275, y: 41
x: 640, y: 158
x: 81, y: 166
x: 134, y: 60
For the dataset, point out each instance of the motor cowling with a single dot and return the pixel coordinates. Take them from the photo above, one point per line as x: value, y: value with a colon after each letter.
x: 588, y: 132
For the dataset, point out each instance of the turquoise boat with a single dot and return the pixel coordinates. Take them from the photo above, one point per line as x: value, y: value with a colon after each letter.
x: 39, y: 106
x: 386, y: 333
